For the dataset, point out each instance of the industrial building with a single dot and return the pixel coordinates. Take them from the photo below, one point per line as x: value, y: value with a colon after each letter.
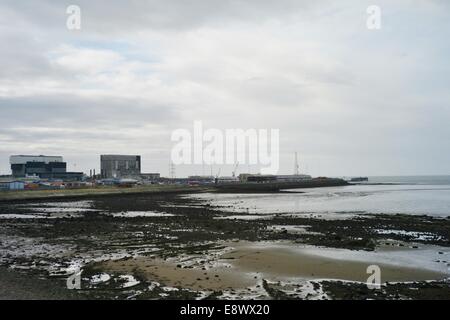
x: 12, y: 185
x: 152, y: 177
x: 44, y: 167
x: 120, y: 166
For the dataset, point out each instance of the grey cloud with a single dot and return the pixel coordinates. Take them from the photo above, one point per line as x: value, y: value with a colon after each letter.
x: 341, y: 91
x: 121, y: 16
x: 76, y: 111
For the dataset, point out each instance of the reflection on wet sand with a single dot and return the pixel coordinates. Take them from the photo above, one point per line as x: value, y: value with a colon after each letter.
x: 245, y: 264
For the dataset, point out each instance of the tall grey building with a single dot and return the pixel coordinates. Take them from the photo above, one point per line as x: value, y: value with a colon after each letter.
x: 45, y: 167
x: 120, y: 166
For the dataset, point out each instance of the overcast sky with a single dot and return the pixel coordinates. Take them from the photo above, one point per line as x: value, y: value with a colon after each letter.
x: 349, y: 100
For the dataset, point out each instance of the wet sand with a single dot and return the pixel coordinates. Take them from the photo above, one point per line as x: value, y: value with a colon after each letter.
x: 282, y: 262
x: 247, y: 263
x: 161, y: 271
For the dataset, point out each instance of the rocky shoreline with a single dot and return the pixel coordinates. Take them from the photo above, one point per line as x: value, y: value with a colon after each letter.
x: 121, y: 238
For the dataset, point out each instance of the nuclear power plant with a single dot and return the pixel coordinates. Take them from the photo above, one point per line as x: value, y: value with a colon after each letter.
x: 44, y: 167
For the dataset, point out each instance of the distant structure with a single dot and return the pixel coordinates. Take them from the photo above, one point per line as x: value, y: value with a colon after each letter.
x: 201, y: 179
x: 44, y: 167
x: 245, y: 177
x: 293, y: 177
x: 296, y: 166
x: 172, y: 171
x: 152, y: 177
x: 12, y: 185
x: 120, y: 166
x: 359, y: 179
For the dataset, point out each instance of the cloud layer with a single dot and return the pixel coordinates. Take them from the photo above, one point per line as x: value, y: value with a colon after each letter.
x: 351, y: 101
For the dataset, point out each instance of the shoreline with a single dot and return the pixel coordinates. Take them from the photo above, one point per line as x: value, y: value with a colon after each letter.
x: 28, y: 195
x: 67, y: 194
x: 168, y: 246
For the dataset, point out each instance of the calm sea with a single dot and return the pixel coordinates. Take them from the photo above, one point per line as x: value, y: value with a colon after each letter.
x: 428, y: 195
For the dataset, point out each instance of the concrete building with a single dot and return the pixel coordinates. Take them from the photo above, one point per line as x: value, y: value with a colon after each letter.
x: 44, y: 167
x: 120, y: 166
x: 23, y: 165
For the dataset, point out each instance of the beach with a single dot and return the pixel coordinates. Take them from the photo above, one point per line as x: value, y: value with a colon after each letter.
x: 217, y: 246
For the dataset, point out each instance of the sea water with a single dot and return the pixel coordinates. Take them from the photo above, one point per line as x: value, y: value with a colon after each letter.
x: 429, y: 195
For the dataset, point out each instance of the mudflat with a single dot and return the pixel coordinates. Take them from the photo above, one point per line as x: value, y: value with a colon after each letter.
x: 170, y: 246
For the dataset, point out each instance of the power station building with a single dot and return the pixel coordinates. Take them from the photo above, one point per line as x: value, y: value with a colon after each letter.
x: 44, y: 167
x: 120, y: 166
